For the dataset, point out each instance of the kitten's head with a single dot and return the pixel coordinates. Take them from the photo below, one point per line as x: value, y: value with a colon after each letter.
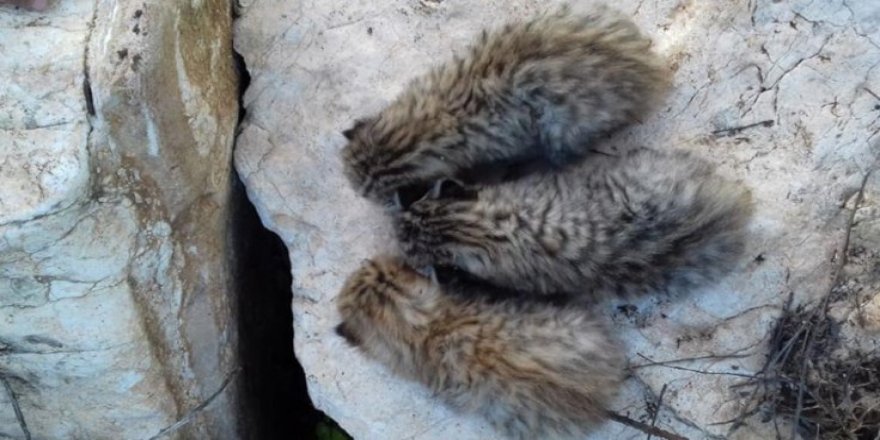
x: 389, y: 154
x: 384, y: 305
x: 442, y: 219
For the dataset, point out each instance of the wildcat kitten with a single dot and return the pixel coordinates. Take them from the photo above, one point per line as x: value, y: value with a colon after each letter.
x: 533, y: 370
x: 534, y: 90
x: 612, y: 224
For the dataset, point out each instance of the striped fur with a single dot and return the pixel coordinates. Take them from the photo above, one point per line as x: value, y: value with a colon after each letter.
x: 537, y: 89
x: 533, y: 370
x: 642, y: 221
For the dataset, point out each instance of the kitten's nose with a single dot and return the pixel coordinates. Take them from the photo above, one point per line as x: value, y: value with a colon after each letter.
x: 343, y: 331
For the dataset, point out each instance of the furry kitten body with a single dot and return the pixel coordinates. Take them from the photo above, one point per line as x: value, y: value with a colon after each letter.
x: 533, y: 370
x: 538, y: 89
x: 612, y: 224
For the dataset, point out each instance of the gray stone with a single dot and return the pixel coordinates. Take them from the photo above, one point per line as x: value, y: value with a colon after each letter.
x: 783, y: 96
x: 857, y: 308
x: 116, y: 314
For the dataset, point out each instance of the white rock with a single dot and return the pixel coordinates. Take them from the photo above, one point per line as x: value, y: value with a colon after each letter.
x: 808, y: 68
x: 43, y: 126
x: 858, y: 309
x: 871, y: 314
x: 115, y: 314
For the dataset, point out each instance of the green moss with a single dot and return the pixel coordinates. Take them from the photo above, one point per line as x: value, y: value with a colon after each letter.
x: 328, y: 430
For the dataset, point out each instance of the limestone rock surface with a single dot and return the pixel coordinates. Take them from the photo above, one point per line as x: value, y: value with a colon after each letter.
x: 782, y: 96
x: 116, y: 130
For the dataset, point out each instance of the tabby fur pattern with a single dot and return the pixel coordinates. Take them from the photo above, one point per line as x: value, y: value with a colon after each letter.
x: 642, y: 220
x: 534, y: 90
x: 533, y: 370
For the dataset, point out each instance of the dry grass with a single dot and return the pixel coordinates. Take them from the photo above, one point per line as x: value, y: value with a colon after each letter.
x: 826, y: 397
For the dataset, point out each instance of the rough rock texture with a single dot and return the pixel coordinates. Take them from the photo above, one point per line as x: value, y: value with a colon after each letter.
x: 783, y: 96
x: 856, y: 297
x: 117, y: 122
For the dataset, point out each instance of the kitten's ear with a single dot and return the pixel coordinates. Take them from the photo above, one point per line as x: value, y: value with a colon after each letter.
x: 396, y: 204
x: 349, y: 133
x: 410, y: 194
x: 429, y: 272
x: 436, y: 190
x: 448, y: 189
x: 432, y: 274
x: 454, y: 190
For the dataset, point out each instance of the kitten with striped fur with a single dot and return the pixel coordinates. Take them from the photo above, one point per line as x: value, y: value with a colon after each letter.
x: 532, y: 369
x: 644, y: 220
x: 535, y: 90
